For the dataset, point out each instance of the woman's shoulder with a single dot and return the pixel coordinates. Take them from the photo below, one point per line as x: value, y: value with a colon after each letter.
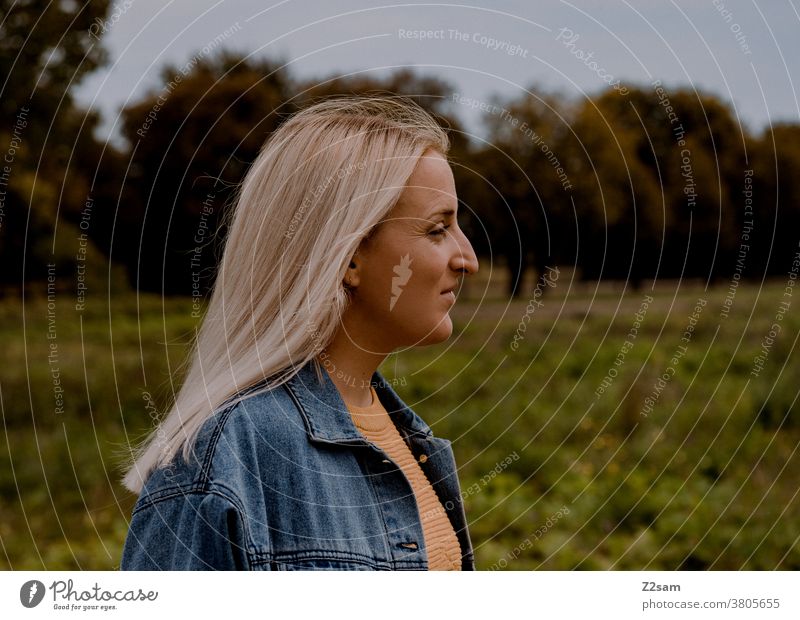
x: 271, y: 411
x: 237, y: 440
x: 252, y: 429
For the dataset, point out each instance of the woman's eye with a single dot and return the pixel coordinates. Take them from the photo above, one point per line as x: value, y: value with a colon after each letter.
x: 439, y: 232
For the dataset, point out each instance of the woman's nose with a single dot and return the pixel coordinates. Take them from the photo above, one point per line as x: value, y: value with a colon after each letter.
x: 464, y: 258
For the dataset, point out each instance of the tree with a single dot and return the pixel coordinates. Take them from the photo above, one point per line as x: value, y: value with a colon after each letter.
x: 528, y: 207
x: 775, y: 200
x: 192, y: 143
x: 45, y: 50
x: 658, y: 170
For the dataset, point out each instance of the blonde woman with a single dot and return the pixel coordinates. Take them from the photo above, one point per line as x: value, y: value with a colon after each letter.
x: 285, y: 448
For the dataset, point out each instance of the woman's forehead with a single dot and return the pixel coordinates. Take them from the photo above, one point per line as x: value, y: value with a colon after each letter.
x: 429, y: 190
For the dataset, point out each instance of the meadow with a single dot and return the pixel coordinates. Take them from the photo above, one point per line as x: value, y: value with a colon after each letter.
x: 595, y: 427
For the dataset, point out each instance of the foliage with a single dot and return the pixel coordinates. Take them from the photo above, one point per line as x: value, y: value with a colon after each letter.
x: 48, y: 149
x: 705, y: 480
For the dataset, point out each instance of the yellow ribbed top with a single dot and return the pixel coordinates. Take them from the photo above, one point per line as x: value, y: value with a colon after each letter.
x: 444, y: 552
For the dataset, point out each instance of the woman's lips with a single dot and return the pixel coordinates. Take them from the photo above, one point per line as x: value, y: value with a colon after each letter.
x: 450, y: 295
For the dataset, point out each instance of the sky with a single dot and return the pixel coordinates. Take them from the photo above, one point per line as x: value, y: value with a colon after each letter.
x: 743, y: 51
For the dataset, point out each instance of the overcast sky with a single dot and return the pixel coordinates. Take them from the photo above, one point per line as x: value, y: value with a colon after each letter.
x: 743, y: 51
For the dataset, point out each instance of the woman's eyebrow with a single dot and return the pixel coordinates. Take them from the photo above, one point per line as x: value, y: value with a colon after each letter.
x: 446, y: 212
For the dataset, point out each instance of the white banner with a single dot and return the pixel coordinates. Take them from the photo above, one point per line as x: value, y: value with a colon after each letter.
x: 406, y: 595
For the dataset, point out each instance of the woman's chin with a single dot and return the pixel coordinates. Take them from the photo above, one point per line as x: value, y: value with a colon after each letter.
x: 438, y: 333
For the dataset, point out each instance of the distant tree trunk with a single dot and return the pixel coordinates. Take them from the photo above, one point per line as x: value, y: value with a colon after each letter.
x: 516, y: 258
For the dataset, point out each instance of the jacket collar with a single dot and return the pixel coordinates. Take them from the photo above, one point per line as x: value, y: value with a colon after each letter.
x: 326, y: 415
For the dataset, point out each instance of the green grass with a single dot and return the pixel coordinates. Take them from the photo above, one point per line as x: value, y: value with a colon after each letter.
x: 705, y: 479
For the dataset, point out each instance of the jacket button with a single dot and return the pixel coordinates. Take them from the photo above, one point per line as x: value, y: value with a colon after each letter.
x: 423, y: 458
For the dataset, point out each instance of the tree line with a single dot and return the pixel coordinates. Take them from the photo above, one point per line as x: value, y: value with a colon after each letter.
x: 636, y: 183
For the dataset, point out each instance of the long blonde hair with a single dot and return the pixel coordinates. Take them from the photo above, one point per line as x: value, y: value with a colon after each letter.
x: 321, y: 183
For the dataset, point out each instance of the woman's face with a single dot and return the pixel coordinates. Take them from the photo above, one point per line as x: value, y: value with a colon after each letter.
x: 414, y: 256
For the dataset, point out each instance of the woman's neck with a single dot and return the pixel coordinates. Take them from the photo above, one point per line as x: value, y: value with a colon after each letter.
x: 351, y: 370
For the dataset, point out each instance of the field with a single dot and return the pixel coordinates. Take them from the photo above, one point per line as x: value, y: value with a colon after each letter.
x: 594, y: 427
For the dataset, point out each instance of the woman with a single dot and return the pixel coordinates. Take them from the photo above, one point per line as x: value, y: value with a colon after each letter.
x: 286, y: 448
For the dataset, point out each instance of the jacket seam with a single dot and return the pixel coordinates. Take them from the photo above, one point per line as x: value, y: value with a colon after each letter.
x: 258, y: 558
x: 211, y: 449
x: 223, y: 493
x: 182, y: 492
x: 379, y: 504
x: 201, y: 482
x: 287, y: 388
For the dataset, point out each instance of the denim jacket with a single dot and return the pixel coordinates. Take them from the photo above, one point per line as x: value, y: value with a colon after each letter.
x: 283, y: 480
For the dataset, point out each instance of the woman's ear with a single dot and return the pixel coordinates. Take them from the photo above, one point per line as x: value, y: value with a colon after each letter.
x: 351, y: 278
